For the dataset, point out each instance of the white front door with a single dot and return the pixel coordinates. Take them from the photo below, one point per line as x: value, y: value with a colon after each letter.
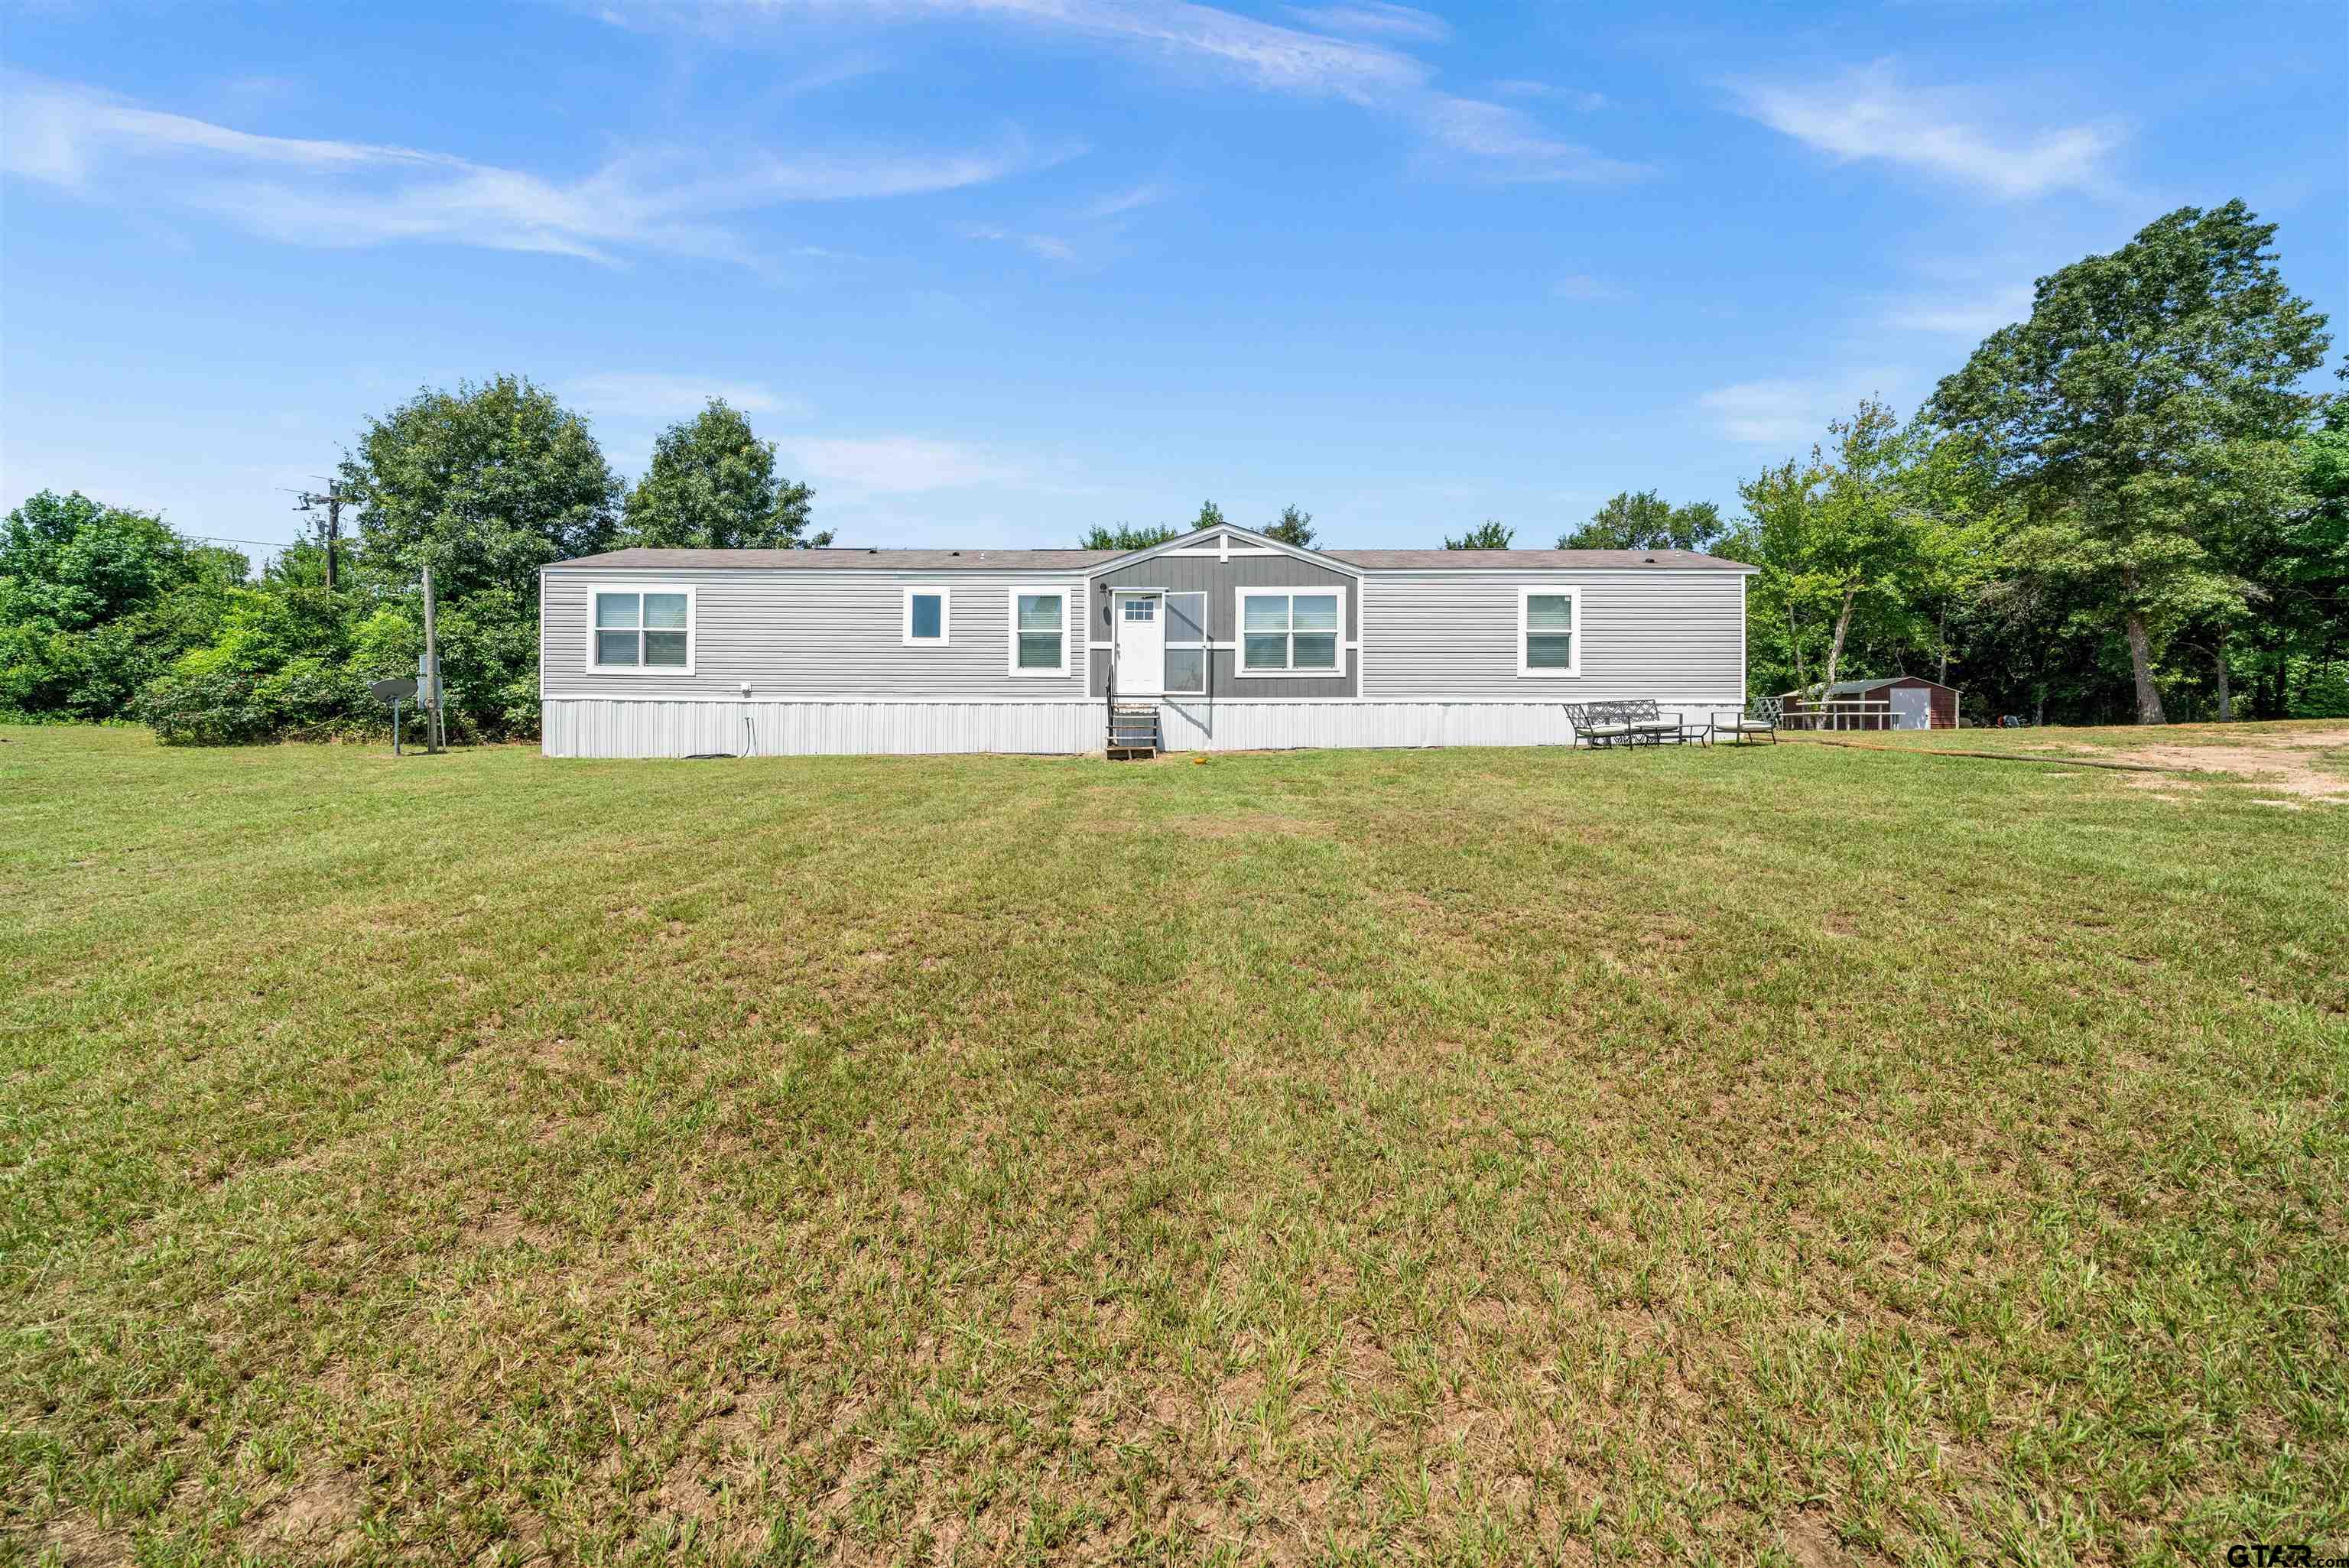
x: 1141, y: 643
x: 1912, y: 707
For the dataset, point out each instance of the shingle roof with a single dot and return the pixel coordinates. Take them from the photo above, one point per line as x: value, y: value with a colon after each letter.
x: 836, y: 560
x: 1533, y: 560
x: 1847, y: 688
x: 844, y: 560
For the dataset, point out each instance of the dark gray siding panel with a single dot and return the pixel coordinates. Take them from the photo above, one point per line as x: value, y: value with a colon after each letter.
x: 1221, y: 582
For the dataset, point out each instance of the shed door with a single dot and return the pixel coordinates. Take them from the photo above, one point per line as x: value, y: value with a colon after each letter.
x: 1912, y: 707
x: 1141, y: 635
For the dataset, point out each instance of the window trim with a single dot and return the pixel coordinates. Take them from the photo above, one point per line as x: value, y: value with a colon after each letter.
x: 945, y: 596
x: 692, y: 628
x: 1067, y: 597
x: 1239, y: 632
x: 1571, y: 592
x: 1206, y: 645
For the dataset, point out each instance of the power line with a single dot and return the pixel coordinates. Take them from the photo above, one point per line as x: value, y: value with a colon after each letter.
x: 332, y: 534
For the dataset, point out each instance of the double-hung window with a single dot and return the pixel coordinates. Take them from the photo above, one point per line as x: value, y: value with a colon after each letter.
x: 1186, y: 641
x: 925, y: 617
x: 1549, y: 631
x: 1040, y: 630
x: 647, y: 630
x: 1292, y: 630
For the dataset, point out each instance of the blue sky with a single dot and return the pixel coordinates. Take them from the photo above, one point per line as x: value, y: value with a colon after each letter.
x: 990, y: 271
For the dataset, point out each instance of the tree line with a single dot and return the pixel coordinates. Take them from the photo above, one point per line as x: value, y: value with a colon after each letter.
x: 107, y: 613
x: 2127, y: 505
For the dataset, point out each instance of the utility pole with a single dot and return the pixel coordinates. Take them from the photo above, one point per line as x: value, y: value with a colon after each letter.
x: 310, y: 501
x: 433, y: 734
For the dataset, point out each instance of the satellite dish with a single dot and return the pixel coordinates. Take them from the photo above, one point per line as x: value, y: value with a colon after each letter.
x: 392, y: 691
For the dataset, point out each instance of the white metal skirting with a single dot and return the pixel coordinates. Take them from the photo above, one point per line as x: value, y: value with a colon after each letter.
x: 638, y: 726
x: 650, y: 727
x: 1275, y: 726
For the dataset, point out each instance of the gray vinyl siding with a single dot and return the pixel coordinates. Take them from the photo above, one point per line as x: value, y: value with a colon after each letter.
x: 1221, y: 581
x: 1454, y: 637
x: 831, y: 633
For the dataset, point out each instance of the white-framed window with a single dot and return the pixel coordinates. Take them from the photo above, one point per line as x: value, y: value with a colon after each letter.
x: 1040, y: 630
x: 1292, y: 630
x: 926, y: 619
x: 1549, y: 631
x: 1186, y: 641
x: 644, y: 629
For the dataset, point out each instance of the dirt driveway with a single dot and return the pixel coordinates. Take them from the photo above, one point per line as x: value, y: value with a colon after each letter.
x: 2312, y: 764
x: 2300, y: 760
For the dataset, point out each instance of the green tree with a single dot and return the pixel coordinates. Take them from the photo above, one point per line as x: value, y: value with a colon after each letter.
x: 2140, y: 379
x: 486, y: 484
x: 97, y: 600
x: 1884, y: 528
x: 1645, y: 520
x: 1486, y: 535
x: 1293, y: 527
x: 286, y: 615
x: 1126, y: 537
x: 2300, y: 647
x: 712, y: 485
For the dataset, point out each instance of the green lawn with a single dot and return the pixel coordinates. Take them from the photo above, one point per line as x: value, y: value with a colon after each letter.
x: 1801, y: 1155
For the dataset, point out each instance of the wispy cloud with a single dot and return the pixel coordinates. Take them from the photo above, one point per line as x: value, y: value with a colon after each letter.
x: 1047, y: 247
x: 1089, y: 232
x: 313, y: 191
x: 1481, y: 138
x: 1510, y: 146
x: 893, y: 464
x: 1791, y: 411
x: 1582, y: 285
x: 1127, y: 201
x: 1266, y: 53
x: 1962, y: 314
x: 1867, y: 113
x: 652, y: 395
x: 1581, y: 98
x: 1376, y: 18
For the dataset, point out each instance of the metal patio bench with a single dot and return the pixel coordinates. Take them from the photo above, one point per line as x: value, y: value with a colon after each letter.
x: 1635, y: 722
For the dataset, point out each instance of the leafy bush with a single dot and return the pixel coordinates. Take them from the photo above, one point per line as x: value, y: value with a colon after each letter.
x: 305, y: 698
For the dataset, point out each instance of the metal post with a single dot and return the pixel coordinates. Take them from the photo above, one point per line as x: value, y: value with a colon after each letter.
x: 395, y: 726
x: 434, y: 736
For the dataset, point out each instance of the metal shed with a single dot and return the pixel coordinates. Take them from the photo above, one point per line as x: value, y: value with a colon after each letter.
x: 1893, y: 702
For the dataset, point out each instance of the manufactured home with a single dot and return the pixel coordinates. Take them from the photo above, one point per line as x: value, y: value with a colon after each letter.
x: 1220, y: 640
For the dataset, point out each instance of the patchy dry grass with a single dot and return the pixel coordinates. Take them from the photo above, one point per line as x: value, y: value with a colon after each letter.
x: 1798, y: 1155
x: 2302, y: 759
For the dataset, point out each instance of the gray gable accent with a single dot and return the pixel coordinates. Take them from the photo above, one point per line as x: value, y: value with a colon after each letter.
x: 1221, y: 581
